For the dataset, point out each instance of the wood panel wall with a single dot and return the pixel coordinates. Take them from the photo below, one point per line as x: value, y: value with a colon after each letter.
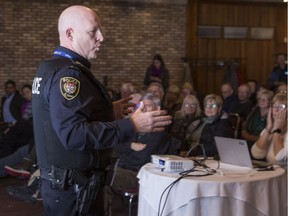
x: 256, y: 56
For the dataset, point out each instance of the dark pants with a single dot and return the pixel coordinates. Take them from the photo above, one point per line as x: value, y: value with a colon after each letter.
x: 63, y: 202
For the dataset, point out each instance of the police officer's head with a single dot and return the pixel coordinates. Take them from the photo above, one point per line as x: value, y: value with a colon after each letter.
x: 79, y: 30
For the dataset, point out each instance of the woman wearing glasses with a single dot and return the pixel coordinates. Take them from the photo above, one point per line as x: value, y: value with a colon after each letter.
x: 256, y: 120
x: 212, y: 124
x: 272, y: 143
x: 188, y: 116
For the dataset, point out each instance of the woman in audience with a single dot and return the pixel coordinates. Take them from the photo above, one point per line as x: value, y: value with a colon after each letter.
x: 201, y: 138
x: 26, y: 108
x: 272, y: 143
x: 282, y: 88
x: 256, y: 120
x: 157, y: 72
x: 189, y: 112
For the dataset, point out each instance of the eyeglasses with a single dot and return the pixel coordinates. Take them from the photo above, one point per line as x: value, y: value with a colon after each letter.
x: 213, y: 106
x: 190, y: 105
x: 279, y: 106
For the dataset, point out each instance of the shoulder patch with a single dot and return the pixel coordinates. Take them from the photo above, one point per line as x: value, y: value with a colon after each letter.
x: 69, y: 87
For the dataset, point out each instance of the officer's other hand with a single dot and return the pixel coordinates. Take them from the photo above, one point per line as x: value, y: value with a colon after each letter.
x: 137, y: 146
x: 121, y: 106
x: 154, y: 121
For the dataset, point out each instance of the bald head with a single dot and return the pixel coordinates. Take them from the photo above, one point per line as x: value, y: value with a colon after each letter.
x: 79, y: 30
x: 243, y: 93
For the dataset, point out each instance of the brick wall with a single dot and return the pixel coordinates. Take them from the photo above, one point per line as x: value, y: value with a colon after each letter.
x: 133, y: 33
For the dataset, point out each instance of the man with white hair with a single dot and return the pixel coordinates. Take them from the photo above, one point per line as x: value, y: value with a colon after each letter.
x: 75, y: 122
x: 243, y: 105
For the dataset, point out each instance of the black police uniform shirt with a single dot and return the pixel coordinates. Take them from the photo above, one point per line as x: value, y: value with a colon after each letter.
x: 73, y: 115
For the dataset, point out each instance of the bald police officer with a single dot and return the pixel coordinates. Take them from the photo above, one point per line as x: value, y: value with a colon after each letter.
x: 74, y: 119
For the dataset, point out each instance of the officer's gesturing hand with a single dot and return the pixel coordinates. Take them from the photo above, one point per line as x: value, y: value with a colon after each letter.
x: 121, y: 106
x: 154, y: 121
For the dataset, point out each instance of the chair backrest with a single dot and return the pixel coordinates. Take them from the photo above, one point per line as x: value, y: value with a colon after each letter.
x: 111, y: 172
x: 234, y: 118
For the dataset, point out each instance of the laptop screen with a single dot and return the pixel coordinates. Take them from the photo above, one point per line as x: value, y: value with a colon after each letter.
x: 233, y: 151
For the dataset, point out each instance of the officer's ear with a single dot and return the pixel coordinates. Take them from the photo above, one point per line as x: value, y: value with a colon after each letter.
x: 69, y: 33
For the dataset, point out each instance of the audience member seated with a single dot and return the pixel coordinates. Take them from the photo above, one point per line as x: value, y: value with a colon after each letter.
x: 279, y: 73
x: 136, y: 153
x: 272, y: 143
x: 172, y: 100
x: 157, y: 90
x: 190, y: 111
x: 256, y: 120
x: 113, y: 94
x: 157, y: 72
x: 21, y: 164
x: 136, y: 98
x: 282, y: 88
x: 126, y: 89
x: 26, y: 108
x: 18, y: 139
x: 188, y: 89
x: 213, y: 124
x: 228, y: 96
x: 254, y: 88
x: 243, y: 104
x: 21, y: 132
x: 11, y: 105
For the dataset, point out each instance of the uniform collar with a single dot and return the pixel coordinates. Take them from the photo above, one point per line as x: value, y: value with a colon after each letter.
x: 75, y: 56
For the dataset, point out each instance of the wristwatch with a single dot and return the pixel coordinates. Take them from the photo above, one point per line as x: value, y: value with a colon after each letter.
x: 278, y: 130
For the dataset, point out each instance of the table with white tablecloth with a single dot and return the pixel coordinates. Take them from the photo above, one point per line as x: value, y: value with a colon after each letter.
x: 231, y: 191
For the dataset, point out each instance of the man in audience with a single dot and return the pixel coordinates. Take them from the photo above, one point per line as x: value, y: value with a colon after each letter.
x: 137, y: 152
x: 279, y: 73
x: 11, y: 105
x: 126, y: 89
x: 157, y: 89
x: 228, y: 96
x: 254, y: 88
x: 243, y: 105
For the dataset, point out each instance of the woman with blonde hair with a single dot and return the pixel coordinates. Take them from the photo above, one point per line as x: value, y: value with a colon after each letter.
x: 184, y: 118
x: 256, y: 120
x: 214, y: 123
x: 272, y: 143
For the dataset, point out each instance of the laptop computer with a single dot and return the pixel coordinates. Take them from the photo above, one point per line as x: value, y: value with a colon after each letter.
x: 236, y: 152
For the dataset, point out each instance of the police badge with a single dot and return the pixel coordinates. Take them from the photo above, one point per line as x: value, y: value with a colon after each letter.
x: 69, y: 87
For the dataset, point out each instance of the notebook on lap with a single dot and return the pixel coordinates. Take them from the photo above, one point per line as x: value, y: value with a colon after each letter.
x: 236, y: 152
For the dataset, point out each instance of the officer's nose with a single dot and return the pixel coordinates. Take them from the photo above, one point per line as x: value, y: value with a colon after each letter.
x: 99, y: 36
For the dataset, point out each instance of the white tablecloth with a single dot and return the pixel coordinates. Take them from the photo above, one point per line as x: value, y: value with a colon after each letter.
x: 229, y: 192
